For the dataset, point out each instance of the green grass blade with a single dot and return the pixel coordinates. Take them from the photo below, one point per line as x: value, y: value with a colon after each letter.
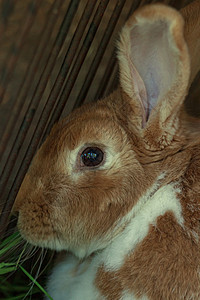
x: 3, y: 265
x: 13, y: 236
x: 11, y: 244
x: 7, y: 270
x: 7, y: 267
x: 36, y: 283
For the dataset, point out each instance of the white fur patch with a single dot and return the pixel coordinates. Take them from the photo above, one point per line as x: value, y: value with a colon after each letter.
x: 75, y: 281
x: 72, y: 280
x: 127, y: 296
x: 144, y: 213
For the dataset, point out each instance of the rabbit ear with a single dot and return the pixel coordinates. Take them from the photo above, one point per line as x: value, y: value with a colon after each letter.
x: 154, y: 63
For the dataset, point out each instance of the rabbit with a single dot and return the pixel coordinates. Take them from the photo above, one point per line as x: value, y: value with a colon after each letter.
x: 116, y: 183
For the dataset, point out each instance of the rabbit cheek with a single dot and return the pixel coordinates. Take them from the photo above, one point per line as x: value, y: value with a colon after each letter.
x: 86, y: 221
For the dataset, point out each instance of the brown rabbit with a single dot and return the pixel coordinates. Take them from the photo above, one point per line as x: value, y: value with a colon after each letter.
x: 117, y: 183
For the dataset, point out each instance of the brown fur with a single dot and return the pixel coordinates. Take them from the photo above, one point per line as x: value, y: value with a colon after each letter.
x: 62, y: 205
x: 47, y: 195
x: 164, y: 266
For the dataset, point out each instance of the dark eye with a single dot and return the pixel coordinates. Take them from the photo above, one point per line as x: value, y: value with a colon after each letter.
x: 92, y: 156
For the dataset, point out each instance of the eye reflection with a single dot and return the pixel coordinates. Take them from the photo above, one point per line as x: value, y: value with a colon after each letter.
x: 92, y: 156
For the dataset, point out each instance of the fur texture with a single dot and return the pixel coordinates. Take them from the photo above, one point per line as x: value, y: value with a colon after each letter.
x: 131, y: 222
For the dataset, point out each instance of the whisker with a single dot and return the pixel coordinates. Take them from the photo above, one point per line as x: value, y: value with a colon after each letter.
x: 48, y: 263
x: 41, y: 259
x: 37, y: 260
x: 31, y: 251
x: 9, y: 232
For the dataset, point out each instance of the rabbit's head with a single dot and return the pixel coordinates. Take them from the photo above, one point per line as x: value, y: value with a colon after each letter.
x: 103, y: 157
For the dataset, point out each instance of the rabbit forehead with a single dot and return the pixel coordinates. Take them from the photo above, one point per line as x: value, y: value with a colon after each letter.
x: 96, y: 129
x: 64, y: 144
x: 71, y: 133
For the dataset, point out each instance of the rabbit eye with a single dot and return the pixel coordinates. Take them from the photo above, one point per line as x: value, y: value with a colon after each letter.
x: 92, y: 156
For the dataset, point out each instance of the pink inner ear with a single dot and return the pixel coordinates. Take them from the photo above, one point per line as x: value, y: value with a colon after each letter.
x: 141, y: 93
x: 153, y: 62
